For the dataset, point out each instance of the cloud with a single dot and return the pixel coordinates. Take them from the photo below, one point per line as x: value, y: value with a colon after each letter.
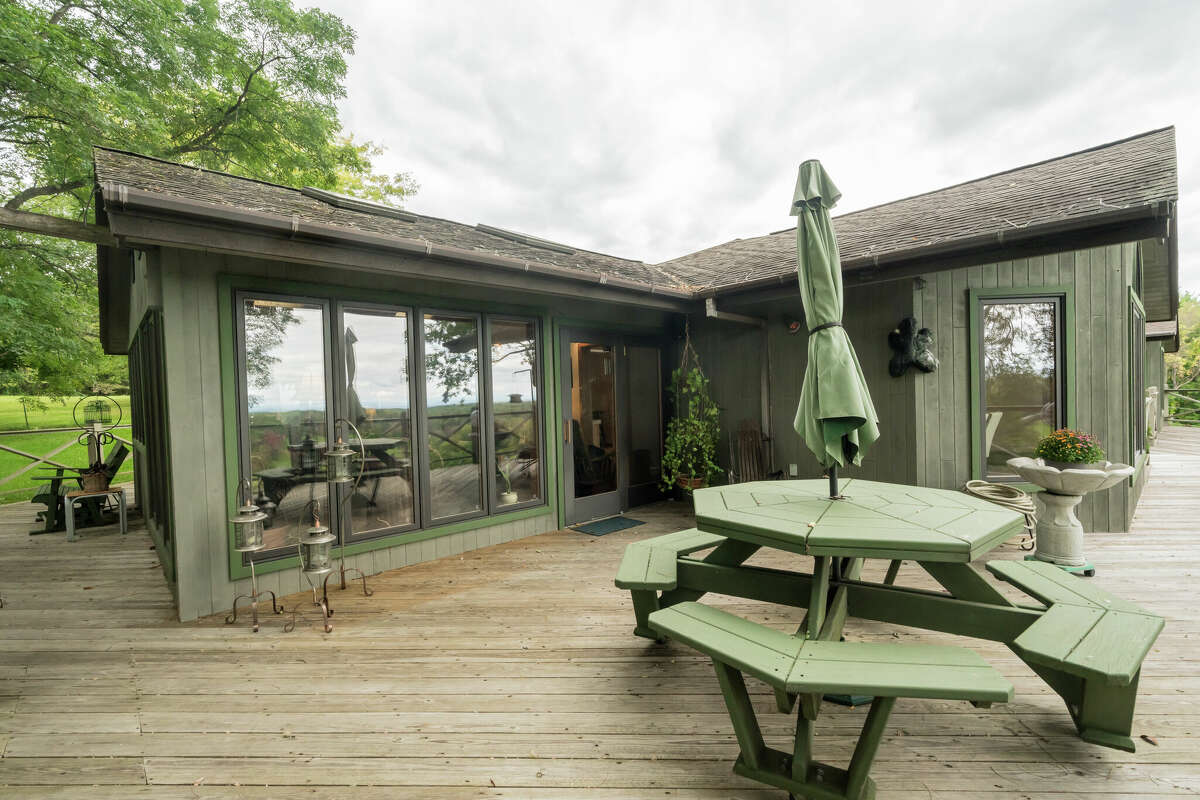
x: 650, y: 130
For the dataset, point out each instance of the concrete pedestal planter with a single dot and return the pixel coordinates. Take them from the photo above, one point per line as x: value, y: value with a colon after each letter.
x: 1059, y: 532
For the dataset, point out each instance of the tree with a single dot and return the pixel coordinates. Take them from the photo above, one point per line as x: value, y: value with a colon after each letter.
x: 244, y: 86
x: 1183, y: 367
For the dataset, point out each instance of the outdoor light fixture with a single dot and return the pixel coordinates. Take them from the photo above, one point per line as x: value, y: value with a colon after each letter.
x: 248, y: 538
x: 314, y: 549
x: 339, y: 476
x: 338, y: 461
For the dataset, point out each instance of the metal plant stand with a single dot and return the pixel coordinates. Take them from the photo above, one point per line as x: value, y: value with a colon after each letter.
x: 252, y: 598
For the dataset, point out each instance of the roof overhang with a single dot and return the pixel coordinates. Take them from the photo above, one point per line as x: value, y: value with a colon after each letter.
x: 1155, y: 220
x: 141, y: 218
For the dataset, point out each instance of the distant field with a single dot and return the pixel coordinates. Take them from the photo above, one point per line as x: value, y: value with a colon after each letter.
x: 58, y: 415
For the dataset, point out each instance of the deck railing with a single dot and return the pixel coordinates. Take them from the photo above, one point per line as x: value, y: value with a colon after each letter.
x: 47, y: 460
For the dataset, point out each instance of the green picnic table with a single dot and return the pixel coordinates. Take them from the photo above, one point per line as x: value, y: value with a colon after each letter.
x: 1085, y: 643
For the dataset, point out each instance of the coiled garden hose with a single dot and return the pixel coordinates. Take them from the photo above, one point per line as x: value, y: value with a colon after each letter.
x: 1003, y: 494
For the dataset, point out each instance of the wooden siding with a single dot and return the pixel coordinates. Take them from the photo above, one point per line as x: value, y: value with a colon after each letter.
x: 189, y: 283
x: 1100, y: 278
x: 732, y: 355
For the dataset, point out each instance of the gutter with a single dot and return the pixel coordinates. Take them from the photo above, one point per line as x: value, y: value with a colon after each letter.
x: 1163, y: 208
x: 118, y: 197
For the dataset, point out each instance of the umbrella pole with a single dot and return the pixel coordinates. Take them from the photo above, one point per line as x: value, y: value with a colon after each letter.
x: 833, y: 483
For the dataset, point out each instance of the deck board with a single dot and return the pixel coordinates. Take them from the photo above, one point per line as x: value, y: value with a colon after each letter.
x: 512, y: 672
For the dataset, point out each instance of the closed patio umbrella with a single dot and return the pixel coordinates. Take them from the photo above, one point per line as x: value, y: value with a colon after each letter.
x: 836, y: 417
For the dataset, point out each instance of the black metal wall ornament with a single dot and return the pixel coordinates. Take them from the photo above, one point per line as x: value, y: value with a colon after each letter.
x: 911, y: 348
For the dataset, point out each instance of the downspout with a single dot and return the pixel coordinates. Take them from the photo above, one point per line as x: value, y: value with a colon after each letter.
x: 710, y: 311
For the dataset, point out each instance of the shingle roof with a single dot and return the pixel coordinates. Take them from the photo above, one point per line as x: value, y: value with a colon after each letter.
x: 156, y: 175
x: 1124, y: 175
x: 1137, y: 171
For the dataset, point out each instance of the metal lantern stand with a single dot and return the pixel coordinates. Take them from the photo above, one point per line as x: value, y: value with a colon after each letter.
x: 248, y: 538
x: 315, y: 562
x: 339, y: 472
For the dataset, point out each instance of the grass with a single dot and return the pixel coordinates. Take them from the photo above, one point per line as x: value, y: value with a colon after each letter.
x: 57, y: 415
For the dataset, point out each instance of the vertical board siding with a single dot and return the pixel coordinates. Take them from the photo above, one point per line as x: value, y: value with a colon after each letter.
x: 871, y: 313
x: 941, y: 411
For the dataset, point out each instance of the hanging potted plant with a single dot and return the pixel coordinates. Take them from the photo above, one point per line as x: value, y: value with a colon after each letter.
x: 690, y: 452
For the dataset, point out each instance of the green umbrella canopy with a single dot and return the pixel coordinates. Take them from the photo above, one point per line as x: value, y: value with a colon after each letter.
x: 836, y: 417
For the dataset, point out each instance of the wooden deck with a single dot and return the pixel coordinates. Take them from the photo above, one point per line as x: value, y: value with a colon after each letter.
x: 511, y: 672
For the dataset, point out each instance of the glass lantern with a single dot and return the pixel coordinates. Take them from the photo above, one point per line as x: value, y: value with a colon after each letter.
x: 315, y: 549
x: 248, y: 522
x: 248, y: 528
x: 339, y: 463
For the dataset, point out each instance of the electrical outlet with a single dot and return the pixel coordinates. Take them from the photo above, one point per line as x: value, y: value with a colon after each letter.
x: 793, y: 470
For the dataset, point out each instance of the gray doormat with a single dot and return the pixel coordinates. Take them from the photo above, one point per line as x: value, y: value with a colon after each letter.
x: 611, y: 525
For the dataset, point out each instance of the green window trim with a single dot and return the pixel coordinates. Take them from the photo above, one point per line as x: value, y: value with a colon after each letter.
x: 975, y: 372
x: 229, y: 285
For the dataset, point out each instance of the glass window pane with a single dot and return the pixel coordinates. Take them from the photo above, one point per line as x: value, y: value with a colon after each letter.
x: 452, y: 414
x: 283, y: 358
x: 515, y: 411
x: 593, y: 418
x: 377, y: 402
x: 1021, y: 374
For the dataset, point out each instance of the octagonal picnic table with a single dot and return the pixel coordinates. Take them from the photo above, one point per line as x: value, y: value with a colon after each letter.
x: 1087, y: 644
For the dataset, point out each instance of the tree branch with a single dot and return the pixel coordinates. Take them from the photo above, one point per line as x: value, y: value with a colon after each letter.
x: 25, y: 195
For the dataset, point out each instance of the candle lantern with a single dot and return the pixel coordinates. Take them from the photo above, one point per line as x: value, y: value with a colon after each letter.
x: 339, y: 463
x: 248, y: 538
x: 248, y: 528
x: 315, y: 549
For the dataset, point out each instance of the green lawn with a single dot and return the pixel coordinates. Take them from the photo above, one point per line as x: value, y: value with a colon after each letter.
x: 58, y: 415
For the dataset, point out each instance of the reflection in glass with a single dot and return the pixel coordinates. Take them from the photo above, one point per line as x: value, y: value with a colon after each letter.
x: 515, y: 411
x: 453, y: 414
x: 377, y: 394
x: 283, y: 358
x: 1020, y: 373
x: 593, y: 418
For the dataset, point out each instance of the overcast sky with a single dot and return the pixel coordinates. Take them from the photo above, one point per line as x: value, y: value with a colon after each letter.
x: 650, y: 130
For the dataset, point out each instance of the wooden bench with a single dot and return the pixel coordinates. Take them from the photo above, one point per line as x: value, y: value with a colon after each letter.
x: 1089, y: 646
x: 649, y: 567
x: 809, y: 668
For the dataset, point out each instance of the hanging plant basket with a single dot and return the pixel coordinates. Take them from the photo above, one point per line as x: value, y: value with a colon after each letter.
x: 690, y: 449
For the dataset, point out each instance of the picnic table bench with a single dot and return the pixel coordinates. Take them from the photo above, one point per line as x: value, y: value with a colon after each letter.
x: 809, y: 668
x: 1087, y: 644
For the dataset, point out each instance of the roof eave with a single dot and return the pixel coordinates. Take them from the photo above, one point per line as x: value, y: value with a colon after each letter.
x: 119, y: 197
x: 975, y: 243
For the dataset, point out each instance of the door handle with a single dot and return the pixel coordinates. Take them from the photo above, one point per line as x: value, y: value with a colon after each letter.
x: 567, y: 430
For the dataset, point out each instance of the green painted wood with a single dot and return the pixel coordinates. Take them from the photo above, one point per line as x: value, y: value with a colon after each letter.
x: 1051, y: 584
x: 805, y: 666
x: 962, y: 581
x: 879, y: 602
x: 818, y: 596
x: 644, y: 566
x: 875, y: 520
x: 741, y: 713
x: 867, y: 746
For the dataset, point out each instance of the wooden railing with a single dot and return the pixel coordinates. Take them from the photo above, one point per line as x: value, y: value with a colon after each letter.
x: 46, y: 460
x: 1184, y: 408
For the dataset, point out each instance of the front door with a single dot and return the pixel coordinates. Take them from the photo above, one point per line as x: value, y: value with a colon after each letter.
x: 612, y: 423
